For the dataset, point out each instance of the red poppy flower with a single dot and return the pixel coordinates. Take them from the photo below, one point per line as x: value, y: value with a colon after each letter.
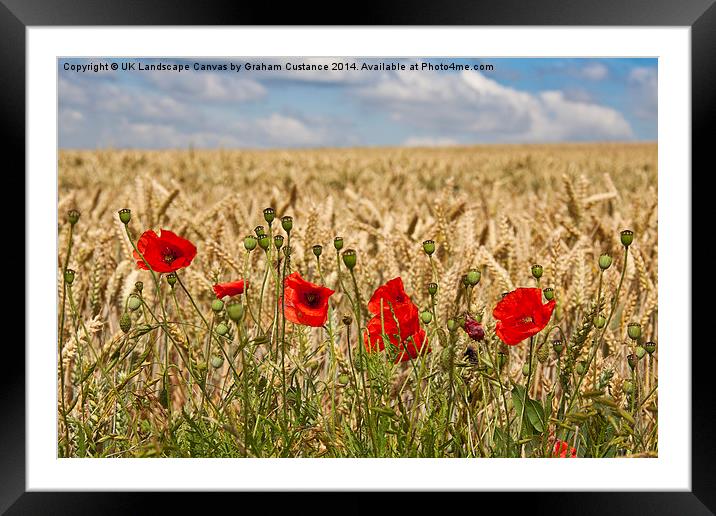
x: 233, y: 288
x: 304, y: 302
x: 521, y: 314
x: 474, y: 329
x: 165, y: 252
x: 564, y: 450
x: 400, y: 319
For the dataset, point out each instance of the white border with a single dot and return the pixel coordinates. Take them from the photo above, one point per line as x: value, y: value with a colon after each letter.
x: 672, y: 470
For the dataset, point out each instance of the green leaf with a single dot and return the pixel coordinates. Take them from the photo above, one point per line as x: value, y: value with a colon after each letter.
x: 535, y: 414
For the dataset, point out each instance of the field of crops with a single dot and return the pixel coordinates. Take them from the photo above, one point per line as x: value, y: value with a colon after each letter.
x: 523, y: 322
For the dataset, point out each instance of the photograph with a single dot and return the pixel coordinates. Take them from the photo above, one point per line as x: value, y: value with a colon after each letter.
x: 357, y: 257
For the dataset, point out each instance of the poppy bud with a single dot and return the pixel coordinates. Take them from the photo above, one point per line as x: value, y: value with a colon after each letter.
x: 139, y: 286
x: 600, y: 321
x: 474, y: 329
x: 432, y: 288
x: 347, y: 319
x: 235, y: 311
x: 542, y: 353
x: 287, y: 223
x: 73, y: 216
x: 548, y: 293
x: 264, y: 242
x: 125, y: 322
x: 426, y: 317
x: 250, y: 243
x: 452, y: 325
x: 222, y: 329
x: 217, y: 305
x: 558, y: 346
x: 350, y: 258
x: 269, y: 215
x: 501, y: 359
x: 581, y: 367
x: 338, y: 243
x: 650, y: 347
x: 317, y: 250
x: 537, y: 271
x: 526, y: 369
x: 125, y: 215
x: 278, y: 242
x: 171, y: 279
x: 640, y: 352
x: 627, y: 386
x: 473, y: 277
x: 217, y: 361
x: 259, y: 230
x: 627, y: 237
x: 429, y: 247
x: 634, y: 330
x: 134, y: 302
x: 69, y: 276
x: 605, y: 261
x: 632, y: 360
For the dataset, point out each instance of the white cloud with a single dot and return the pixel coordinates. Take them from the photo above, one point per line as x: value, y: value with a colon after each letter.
x: 595, y: 72
x: 472, y: 106
x: 420, y: 141
x: 643, y: 86
x: 208, y: 86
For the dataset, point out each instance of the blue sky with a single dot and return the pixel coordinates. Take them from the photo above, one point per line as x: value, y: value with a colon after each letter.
x: 518, y: 101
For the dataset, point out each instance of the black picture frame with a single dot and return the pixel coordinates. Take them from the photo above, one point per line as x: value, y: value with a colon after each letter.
x: 17, y: 15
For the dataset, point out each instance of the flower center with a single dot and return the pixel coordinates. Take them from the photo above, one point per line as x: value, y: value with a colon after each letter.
x: 168, y: 255
x: 527, y: 319
x: 311, y: 298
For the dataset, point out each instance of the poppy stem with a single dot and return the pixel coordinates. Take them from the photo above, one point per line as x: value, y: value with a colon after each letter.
x: 61, y: 343
x: 527, y: 388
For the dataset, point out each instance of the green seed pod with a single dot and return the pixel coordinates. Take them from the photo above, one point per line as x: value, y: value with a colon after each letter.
x: 627, y: 386
x: 627, y: 237
x: 452, y: 325
x: 134, y: 302
x: 269, y: 215
x: 287, y: 251
x: 125, y: 215
x: 73, y: 216
x: 264, y: 242
x: 464, y: 281
x: 235, y: 311
x: 69, y: 276
x: 605, y: 261
x: 600, y: 321
x: 432, y: 288
x: 634, y: 330
x: 640, y: 352
x: 581, y: 367
x: 338, y: 243
x: 537, y: 271
x: 429, y: 247
x: 222, y: 329
x: 473, y: 277
x: 347, y: 319
x: 278, y: 242
x: 125, y: 322
x: 650, y: 347
x: 217, y: 361
x: 501, y: 359
x: 317, y: 250
x: 542, y: 353
x: 287, y: 223
x: 139, y: 286
x: 426, y: 316
x: 632, y: 360
x: 171, y: 279
x: 558, y: 346
x: 250, y: 243
x: 478, y: 317
x: 343, y: 379
x: 548, y: 293
x: 526, y: 369
x: 349, y: 258
x: 259, y: 230
x: 217, y: 305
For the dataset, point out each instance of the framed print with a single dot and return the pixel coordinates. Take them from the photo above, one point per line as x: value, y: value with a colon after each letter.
x: 421, y: 258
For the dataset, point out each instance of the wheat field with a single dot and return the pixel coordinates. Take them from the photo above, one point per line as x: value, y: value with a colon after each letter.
x: 173, y: 385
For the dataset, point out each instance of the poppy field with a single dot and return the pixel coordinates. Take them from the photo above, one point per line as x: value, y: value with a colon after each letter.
x: 488, y: 301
